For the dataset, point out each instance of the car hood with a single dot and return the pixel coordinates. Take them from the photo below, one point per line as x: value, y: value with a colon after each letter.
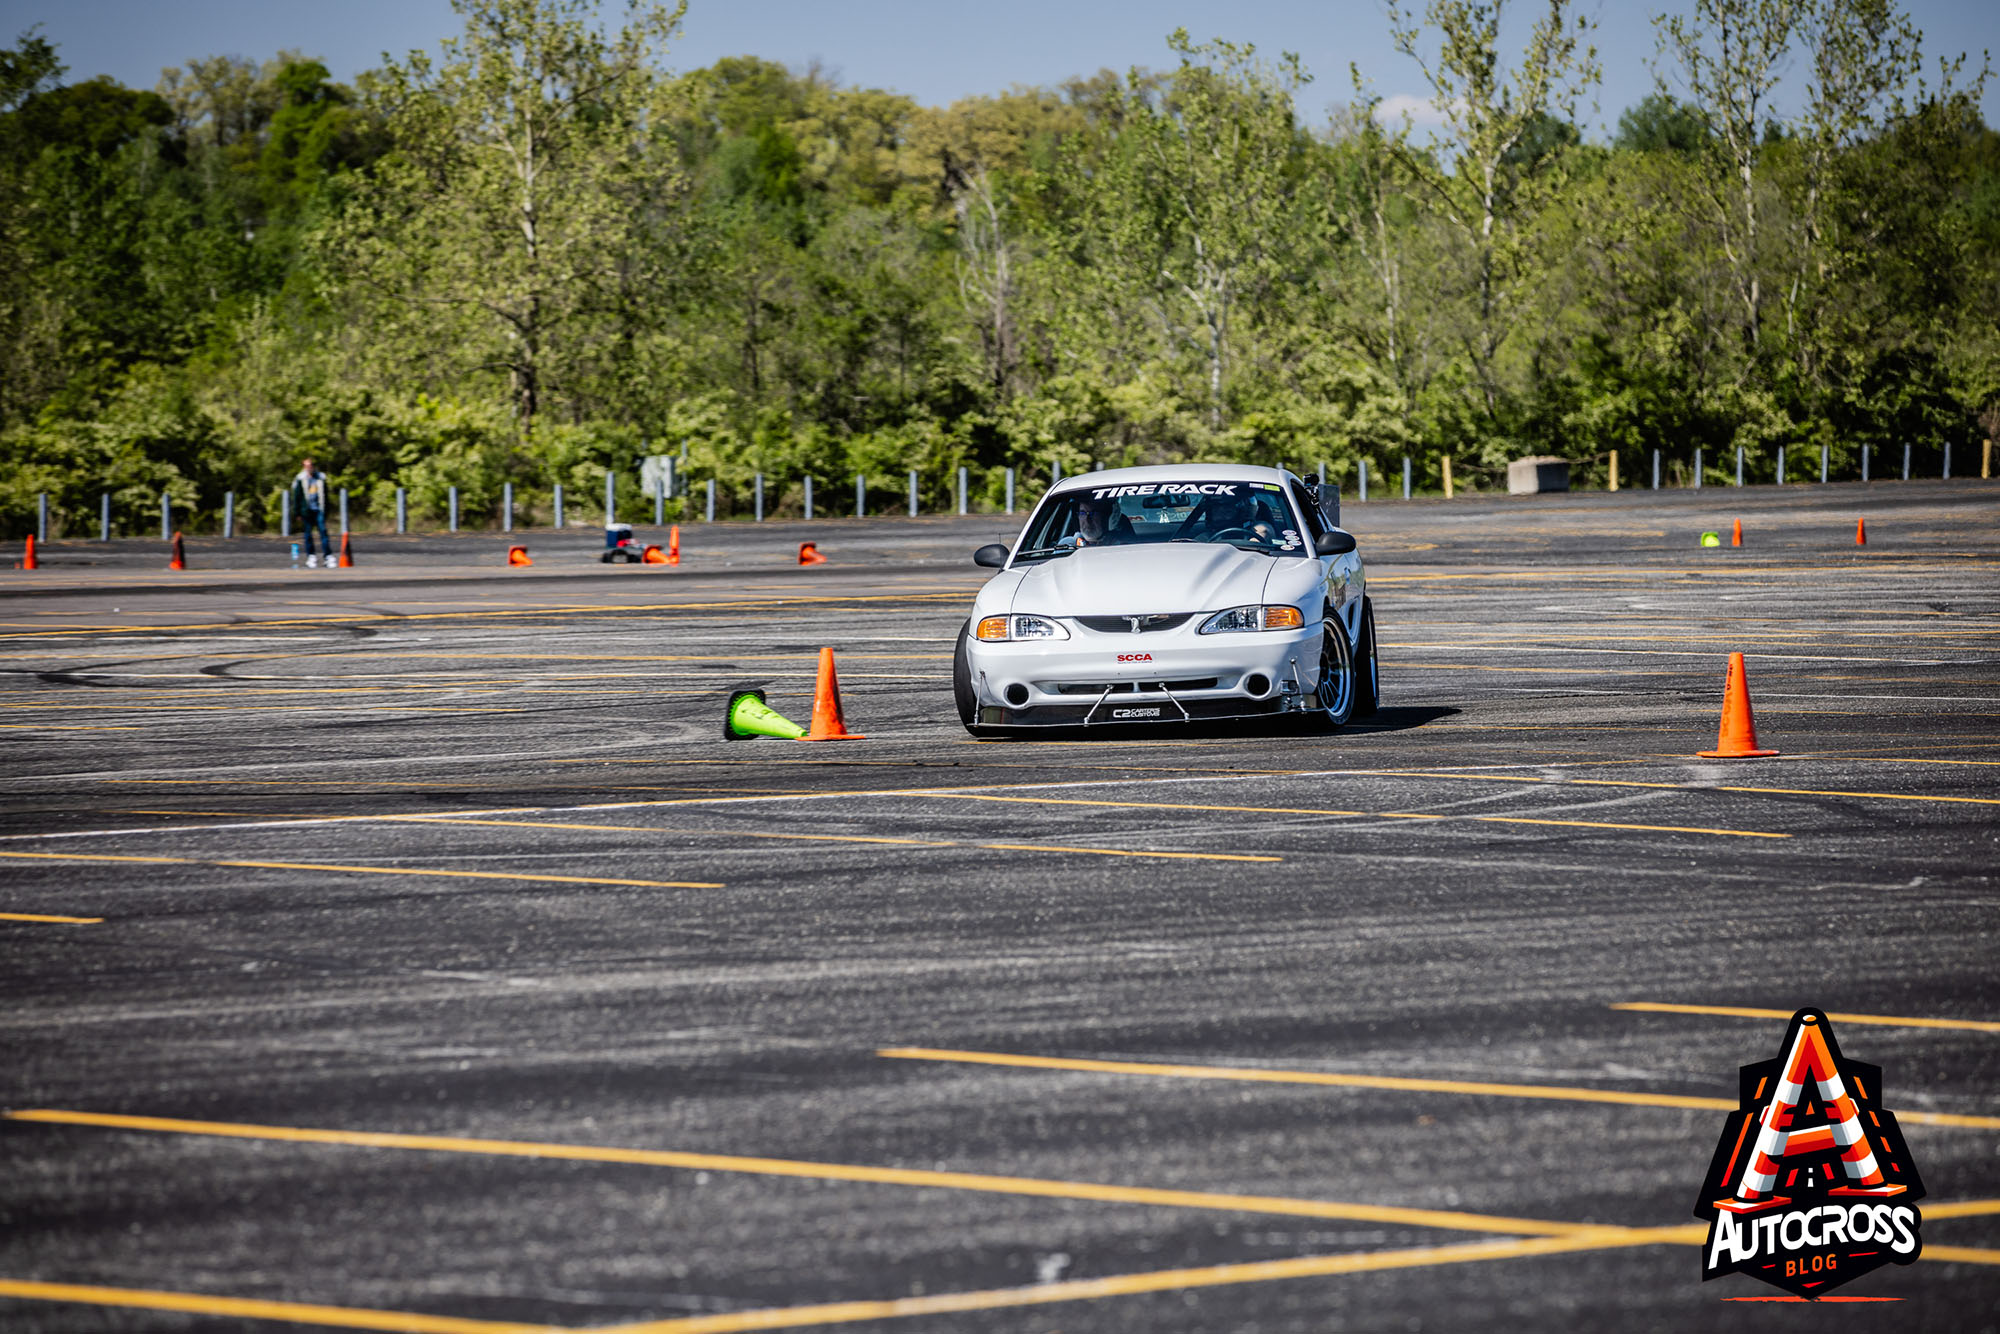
x: 1143, y: 580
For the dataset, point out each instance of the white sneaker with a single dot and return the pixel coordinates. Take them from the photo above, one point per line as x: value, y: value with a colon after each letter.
x: 312, y: 562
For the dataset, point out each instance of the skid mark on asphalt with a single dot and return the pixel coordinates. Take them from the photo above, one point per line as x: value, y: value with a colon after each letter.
x: 1391, y: 1083
x: 529, y: 877
x: 848, y: 838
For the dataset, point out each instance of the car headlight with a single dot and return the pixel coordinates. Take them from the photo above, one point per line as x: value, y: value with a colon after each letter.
x: 998, y: 629
x: 1252, y: 618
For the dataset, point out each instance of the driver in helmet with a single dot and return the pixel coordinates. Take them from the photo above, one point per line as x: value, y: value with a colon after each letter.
x: 1225, y: 513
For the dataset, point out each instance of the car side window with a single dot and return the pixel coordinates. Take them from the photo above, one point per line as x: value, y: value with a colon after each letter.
x: 1316, y: 524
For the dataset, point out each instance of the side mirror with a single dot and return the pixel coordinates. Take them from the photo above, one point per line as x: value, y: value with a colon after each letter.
x: 1335, y: 542
x: 994, y: 554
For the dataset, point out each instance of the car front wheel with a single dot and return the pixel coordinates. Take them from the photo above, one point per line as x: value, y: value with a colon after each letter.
x: 1333, y: 697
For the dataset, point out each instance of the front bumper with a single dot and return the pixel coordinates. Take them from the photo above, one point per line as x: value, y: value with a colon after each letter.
x: 1177, y: 675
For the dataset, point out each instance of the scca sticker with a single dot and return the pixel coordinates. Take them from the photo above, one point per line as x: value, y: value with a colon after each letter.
x: 1135, y: 657
x: 1812, y: 1185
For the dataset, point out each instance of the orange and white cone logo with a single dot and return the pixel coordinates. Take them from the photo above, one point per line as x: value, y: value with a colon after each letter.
x: 1812, y: 1185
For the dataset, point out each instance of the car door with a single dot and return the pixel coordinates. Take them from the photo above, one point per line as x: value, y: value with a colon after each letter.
x: 1334, y: 570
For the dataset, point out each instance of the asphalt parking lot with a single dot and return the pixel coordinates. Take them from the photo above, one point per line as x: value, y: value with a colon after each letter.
x: 403, y: 947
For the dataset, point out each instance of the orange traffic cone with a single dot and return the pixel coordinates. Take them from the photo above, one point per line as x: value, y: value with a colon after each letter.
x: 652, y: 556
x: 1736, y: 534
x: 179, y: 560
x: 827, y: 724
x: 518, y: 556
x: 346, y: 556
x: 1737, y: 738
x: 674, y: 545
x: 28, y: 561
x: 1861, y: 532
x: 809, y: 554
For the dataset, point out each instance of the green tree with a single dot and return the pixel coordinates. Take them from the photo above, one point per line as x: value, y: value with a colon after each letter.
x: 1490, y: 114
x: 531, y: 162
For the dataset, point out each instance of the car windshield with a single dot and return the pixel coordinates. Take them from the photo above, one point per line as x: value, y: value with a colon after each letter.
x: 1249, y: 515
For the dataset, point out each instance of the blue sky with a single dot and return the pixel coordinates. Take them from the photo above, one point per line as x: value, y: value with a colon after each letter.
x: 933, y: 50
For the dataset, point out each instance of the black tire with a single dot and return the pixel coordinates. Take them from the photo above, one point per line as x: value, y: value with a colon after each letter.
x: 1335, y: 691
x: 1367, y: 666
x: 962, y: 692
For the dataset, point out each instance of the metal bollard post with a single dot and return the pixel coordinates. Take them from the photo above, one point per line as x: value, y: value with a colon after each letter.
x: 454, y: 508
x: 913, y: 493
x: 1010, y: 490
x: 1364, y: 479
x: 229, y: 514
x: 42, y: 516
x: 759, y: 511
x: 1739, y: 465
x: 506, y: 507
x: 402, y: 510
x: 1866, y: 450
x: 1656, y: 470
x: 961, y: 490
x: 343, y: 510
x: 1406, y: 476
x: 1055, y: 472
x: 284, y: 515
x: 1781, y: 465
x: 1614, y: 470
x: 1823, y: 461
x: 660, y: 498
x: 610, y: 497
x: 1322, y: 472
x: 672, y: 479
x: 708, y: 511
x: 1697, y: 468
x: 809, y: 495
x: 1906, y: 462
x: 1947, y: 460
x: 860, y: 495
x: 1447, y: 476
x: 559, y: 507
x: 166, y: 517
x: 104, y: 517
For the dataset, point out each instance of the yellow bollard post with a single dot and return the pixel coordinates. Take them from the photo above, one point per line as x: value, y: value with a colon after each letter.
x: 1447, y: 477
x: 1986, y: 461
x: 1614, y: 470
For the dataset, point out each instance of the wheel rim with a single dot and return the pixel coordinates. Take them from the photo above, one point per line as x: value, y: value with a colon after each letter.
x: 1336, y: 674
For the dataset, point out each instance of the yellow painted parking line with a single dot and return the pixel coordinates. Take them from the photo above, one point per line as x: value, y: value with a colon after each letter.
x: 1045, y: 1188
x: 1969, y: 1255
x: 850, y: 1312
x: 533, y: 877
x: 1678, y: 787
x: 1961, y: 1209
x: 243, y: 1308
x: 1390, y: 1083
x: 1745, y: 1012
x: 846, y: 838
x: 1316, y: 810
x: 43, y: 917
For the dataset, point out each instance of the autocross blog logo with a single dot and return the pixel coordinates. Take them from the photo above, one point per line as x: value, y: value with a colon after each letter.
x: 1812, y: 1185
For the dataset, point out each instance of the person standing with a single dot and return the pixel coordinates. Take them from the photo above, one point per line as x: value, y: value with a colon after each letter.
x: 308, y: 501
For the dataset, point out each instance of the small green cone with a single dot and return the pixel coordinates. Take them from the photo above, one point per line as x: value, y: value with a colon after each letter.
x: 1711, y: 539
x: 749, y: 716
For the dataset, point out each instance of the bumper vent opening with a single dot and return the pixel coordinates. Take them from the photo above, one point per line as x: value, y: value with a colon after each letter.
x: 1118, y: 688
